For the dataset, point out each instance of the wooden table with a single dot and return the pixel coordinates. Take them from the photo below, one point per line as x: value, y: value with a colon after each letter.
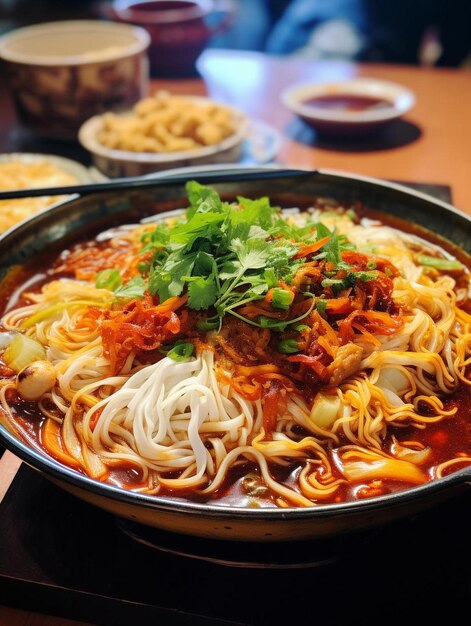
x: 430, y: 145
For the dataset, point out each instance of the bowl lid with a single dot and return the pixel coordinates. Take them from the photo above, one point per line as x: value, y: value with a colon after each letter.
x: 73, y: 42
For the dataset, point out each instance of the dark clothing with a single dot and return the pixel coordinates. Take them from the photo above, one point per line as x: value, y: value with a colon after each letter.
x: 390, y: 30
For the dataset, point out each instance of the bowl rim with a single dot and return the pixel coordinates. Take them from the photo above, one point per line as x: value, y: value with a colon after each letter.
x: 75, y: 168
x: 402, y: 100
x: 87, y: 136
x: 129, y: 10
x: 62, y: 473
x: 141, y: 43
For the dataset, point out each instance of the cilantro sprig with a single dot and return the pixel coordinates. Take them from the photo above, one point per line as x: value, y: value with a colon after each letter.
x: 226, y: 255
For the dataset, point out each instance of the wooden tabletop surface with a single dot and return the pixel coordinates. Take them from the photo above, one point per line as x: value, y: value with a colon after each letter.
x: 432, y: 144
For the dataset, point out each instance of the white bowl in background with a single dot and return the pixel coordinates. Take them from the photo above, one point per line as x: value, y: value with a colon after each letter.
x: 331, y: 120
x: 121, y: 163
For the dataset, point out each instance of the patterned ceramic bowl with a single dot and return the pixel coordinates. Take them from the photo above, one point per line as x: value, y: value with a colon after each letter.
x: 62, y: 73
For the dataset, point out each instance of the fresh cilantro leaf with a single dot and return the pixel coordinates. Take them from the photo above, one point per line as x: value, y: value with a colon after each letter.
x: 322, y: 231
x: 204, y: 263
x: 159, y: 284
x: 159, y: 237
x: 257, y: 212
x: 202, y: 292
x: 252, y: 254
x: 257, y: 290
x: 198, y: 226
x: 201, y: 198
x: 229, y: 269
x: 135, y: 288
x: 257, y: 232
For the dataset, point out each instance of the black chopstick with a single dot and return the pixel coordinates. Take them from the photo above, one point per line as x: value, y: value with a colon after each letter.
x: 145, y: 182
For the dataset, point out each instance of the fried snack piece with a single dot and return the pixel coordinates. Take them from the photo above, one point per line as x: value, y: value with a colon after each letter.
x: 167, y: 123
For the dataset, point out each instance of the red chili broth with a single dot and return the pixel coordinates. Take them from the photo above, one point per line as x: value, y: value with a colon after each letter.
x: 448, y: 438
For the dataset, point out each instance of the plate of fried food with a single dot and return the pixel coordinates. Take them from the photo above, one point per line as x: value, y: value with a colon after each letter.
x: 21, y: 170
x: 165, y: 131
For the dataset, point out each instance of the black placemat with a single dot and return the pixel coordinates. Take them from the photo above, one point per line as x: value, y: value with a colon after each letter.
x: 59, y: 555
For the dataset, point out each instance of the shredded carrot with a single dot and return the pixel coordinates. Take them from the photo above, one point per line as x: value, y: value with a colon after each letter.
x: 250, y: 391
x: 274, y: 404
x: 322, y: 341
x: 51, y: 440
x: 140, y: 326
x: 287, y: 383
x: 311, y: 362
x: 339, y: 306
x: 311, y: 248
x: 308, y: 270
x: 329, y: 332
x: 85, y: 263
x: 377, y: 322
x: 366, y: 335
x: 251, y: 310
x: 255, y: 370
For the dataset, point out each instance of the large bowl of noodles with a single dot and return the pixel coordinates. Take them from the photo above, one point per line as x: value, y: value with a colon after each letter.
x: 266, y: 355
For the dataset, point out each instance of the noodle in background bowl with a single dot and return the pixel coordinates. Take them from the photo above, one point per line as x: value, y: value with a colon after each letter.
x: 95, y: 213
x: 23, y: 170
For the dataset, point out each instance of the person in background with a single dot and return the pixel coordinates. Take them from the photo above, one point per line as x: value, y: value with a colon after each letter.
x: 426, y: 32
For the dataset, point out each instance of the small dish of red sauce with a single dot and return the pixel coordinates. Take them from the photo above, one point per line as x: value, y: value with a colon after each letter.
x: 349, y: 107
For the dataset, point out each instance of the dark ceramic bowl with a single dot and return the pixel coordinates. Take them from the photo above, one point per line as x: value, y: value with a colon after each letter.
x: 73, y: 219
x: 179, y: 29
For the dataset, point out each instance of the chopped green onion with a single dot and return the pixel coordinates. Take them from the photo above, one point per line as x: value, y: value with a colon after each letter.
x: 281, y: 299
x: 301, y: 327
x: 338, y: 283
x: 108, y: 279
x: 267, y: 322
x: 181, y: 351
x: 321, y: 306
x: 366, y: 276
x: 371, y: 265
x: 270, y: 277
x: 205, y: 325
x: 288, y: 346
x: 440, y: 264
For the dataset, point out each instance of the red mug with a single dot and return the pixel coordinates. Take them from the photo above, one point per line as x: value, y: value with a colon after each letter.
x: 179, y: 29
